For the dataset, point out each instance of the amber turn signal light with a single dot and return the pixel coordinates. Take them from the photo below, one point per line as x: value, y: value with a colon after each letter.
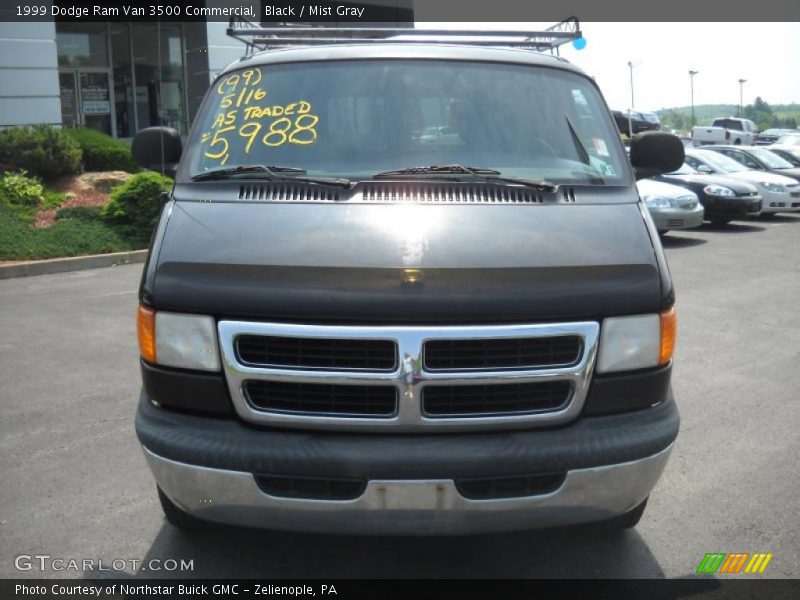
x: 669, y: 333
x: 146, y: 332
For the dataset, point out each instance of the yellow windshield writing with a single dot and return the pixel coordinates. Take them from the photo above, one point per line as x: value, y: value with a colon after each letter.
x: 247, y: 116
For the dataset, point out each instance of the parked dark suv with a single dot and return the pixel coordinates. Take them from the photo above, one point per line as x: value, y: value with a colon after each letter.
x: 348, y: 327
x: 638, y: 121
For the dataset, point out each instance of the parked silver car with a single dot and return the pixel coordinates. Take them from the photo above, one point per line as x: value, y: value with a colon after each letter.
x: 670, y: 206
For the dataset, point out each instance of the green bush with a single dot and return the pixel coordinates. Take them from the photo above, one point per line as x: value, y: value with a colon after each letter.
x: 135, y: 205
x: 24, y: 196
x: 42, y: 151
x: 19, y: 189
x: 68, y: 237
x: 101, y: 152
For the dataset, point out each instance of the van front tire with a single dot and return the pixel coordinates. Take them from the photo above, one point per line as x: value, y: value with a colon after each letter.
x: 629, y: 520
x: 177, y: 517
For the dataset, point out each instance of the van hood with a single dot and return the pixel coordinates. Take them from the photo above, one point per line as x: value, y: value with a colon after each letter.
x: 404, y: 263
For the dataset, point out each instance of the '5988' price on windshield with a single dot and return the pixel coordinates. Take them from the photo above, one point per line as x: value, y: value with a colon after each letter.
x: 300, y: 129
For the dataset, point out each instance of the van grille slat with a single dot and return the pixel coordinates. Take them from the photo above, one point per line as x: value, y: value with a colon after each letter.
x: 316, y: 353
x: 502, y: 353
x: 322, y: 399
x: 494, y: 399
x: 313, y: 488
x: 491, y: 488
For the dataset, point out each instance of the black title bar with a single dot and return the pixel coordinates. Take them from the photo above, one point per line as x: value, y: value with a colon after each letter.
x: 400, y: 11
x: 698, y: 588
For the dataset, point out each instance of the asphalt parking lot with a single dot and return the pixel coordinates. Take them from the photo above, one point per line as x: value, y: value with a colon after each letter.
x: 75, y: 483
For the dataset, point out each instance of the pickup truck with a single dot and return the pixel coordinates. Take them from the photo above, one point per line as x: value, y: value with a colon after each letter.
x: 726, y: 130
x: 345, y: 329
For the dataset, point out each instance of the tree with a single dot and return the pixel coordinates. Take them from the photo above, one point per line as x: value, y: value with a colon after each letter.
x: 760, y: 112
x: 673, y: 119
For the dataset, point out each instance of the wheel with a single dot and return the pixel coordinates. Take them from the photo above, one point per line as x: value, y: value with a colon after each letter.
x: 629, y: 520
x: 177, y: 517
x: 738, y: 142
x: 720, y: 221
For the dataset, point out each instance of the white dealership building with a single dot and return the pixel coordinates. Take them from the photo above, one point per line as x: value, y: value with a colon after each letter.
x: 116, y: 77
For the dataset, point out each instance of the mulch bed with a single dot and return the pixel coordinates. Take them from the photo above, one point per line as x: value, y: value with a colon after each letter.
x: 80, y: 193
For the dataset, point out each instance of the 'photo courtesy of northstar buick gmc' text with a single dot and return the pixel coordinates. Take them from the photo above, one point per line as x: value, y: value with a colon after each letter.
x: 406, y: 288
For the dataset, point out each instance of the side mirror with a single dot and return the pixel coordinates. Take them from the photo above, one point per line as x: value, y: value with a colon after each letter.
x: 703, y: 169
x: 158, y: 149
x: 656, y: 152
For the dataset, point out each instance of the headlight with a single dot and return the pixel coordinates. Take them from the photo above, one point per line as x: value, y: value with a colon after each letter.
x: 656, y: 202
x: 638, y: 342
x: 719, y: 190
x: 773, y: 187
x: 178, y: 340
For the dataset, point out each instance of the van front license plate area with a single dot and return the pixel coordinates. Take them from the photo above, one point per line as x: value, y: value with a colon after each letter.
x: 411, y: 495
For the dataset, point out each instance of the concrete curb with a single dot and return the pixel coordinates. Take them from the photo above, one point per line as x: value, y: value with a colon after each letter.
x: 73, y: 263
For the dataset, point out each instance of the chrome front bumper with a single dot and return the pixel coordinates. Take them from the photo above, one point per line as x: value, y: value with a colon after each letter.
x: 407, y: 507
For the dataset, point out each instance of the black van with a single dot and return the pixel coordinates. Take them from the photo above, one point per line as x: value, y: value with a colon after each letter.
x: 347, y: 325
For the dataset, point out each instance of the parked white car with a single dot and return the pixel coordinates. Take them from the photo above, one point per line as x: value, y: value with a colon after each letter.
x: 793, y: 139
x: 670, y: 206
x: 778, y: 192
x: 726, y: 130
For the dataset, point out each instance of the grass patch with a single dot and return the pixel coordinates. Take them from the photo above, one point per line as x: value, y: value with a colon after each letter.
x: 67, y: 237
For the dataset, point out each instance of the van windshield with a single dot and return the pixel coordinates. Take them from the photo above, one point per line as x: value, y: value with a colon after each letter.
x: 356, y: 118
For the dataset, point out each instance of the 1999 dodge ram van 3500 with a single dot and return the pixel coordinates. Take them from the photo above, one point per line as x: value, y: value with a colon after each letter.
x: 406, y: 288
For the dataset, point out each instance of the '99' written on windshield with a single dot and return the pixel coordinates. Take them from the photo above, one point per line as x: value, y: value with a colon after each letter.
x: 244, y: 118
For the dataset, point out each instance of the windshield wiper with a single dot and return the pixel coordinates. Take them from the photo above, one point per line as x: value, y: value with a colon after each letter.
x: 582, y: 152
x: 271, y: 173
x: 474, y: 172
x: 226, y: 172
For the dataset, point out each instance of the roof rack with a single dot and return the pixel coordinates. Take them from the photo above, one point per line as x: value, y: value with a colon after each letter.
x: 258, y: 38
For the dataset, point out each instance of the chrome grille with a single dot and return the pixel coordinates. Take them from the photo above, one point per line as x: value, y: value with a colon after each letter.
x: 492, y: 393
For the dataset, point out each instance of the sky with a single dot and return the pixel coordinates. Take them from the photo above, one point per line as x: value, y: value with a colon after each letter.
x: 767, y: 55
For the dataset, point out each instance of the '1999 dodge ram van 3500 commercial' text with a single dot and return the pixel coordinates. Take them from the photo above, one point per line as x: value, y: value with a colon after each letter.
x: 349, y: 324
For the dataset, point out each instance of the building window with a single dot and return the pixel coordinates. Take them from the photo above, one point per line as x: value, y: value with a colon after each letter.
x: 160, y: 85
x: 123, y: 79
x: 82, y: 44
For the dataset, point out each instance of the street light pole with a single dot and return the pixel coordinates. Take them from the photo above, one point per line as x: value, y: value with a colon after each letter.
x: 691, y: 88
x: 630, y: 117
x: 741, y: 104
